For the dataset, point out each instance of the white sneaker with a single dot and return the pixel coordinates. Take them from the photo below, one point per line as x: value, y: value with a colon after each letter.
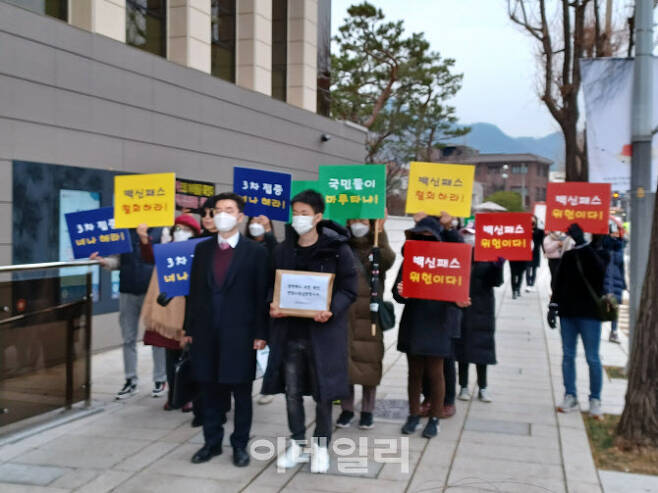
x: 484, y: 395
x: 569, y: 404
x: 159, y: 389
x: 530, y: 289
x: 464, y: 394
x: 595, y: 409
x: 292, y: 456
x: 265, y: 399
x: 319, y: 459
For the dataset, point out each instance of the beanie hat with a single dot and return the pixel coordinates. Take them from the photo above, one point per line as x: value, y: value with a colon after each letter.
x: 189, y: 221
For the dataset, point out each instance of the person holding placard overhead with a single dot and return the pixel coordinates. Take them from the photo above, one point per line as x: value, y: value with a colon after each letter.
x: 226, y: 322
x: 426, y: 333
x: 366, y: 351
x: 309, y: 355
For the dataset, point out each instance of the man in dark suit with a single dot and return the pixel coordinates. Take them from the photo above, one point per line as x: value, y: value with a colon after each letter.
x: 226, y: 322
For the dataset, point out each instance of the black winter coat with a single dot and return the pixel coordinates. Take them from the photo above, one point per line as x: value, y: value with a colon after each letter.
x: 477, y: 343
x: 134, y: 271
x: 428, y: 327
x: 569, y: 289
x: 537, y: 243
x: 224, y: 321
x: 329, y: 339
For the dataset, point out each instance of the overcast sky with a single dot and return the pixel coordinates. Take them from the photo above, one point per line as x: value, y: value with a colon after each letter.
x: 496, y: 58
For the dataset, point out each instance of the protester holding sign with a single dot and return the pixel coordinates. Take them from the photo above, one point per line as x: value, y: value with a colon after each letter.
x: 533, y: 265
x: 260, y: 229
x: 477, y: 344
x: 577, y: 288
x: 426, y: 332
x: 134, y: 275
x: 226, y: 322
x: 163, y: 316
x: 366, y: 351
x: 310, y: 355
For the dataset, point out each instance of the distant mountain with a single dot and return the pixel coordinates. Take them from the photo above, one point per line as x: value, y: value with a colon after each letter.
x: 488, y: 138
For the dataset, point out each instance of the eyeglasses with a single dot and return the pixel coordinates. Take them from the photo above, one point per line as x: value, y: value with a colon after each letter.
x: 208, y: 212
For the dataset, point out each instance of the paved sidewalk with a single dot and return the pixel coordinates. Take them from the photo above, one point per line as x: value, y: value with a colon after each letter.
x: 517, y: 443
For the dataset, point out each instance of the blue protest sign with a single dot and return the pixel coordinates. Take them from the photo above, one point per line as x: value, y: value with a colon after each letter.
x: 264, y: 192
x: 93, y: 231
x: 173, y: 263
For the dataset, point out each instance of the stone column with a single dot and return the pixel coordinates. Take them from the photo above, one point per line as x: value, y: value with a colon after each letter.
x: 106, y: 17
x: 188, y: 35
x: 302, y: 53
x: 253, y: 48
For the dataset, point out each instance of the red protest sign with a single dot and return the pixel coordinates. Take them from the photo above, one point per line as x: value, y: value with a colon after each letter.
x: 503, y: 234
x: 587, y: 204
x: 436, y: 270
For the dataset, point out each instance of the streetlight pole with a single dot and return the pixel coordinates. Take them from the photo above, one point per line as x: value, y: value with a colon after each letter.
x: 642, y: 199
x: 505, y: 175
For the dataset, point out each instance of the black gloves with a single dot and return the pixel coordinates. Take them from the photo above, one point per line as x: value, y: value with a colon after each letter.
x: 551, y: 318
x: 576, y: 233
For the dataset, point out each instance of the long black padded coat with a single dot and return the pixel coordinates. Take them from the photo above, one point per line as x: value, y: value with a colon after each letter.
x: 329, y: 339
x: 477, y: 343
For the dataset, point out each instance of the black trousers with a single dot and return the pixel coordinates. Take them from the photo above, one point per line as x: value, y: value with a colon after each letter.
x: 450, y: 377
x: 481, y: 372
x: 192, y: 390
x: 216, y: 398
x: 300, y: 374
x: 530, y: 274
x: 553, y: 264
x: 517, y: 269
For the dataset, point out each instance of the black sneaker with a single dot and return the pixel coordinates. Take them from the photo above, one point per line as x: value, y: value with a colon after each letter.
x: 158, y: 389
x: 345, y: 419
x: 431, y: 428
x: 128, y: 390
x: 411, y: 424
x: 366, y: 423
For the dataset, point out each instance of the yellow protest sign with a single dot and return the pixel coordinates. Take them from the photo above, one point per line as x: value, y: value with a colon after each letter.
x: 437, y: 187
x: 144, y: 199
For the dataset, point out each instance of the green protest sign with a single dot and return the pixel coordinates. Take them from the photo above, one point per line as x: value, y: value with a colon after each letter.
x: 354, y: 191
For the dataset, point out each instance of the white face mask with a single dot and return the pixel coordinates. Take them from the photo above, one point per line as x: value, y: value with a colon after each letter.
x: 225, y: 222
x: 469, y: 239
x: 256, y: 230
x: 182, y: 235
x: 302, y: 224
x: 454, y: 223
x: 359, y: 230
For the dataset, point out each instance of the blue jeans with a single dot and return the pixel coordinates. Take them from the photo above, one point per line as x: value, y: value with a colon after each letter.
x: 590, y: 331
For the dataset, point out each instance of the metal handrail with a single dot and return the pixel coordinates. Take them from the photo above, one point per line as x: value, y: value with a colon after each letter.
x: 48, y: 265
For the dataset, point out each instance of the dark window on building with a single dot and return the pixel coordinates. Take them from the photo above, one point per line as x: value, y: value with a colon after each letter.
x: 146, y: 25
x: 222, y: 37
x: 519, y: 169
x: 279, y: 48
x: 52, y: 8
x: 324, y: 58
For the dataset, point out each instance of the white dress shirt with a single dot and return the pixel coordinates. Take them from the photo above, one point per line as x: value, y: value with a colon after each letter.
x: 232, y: 240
